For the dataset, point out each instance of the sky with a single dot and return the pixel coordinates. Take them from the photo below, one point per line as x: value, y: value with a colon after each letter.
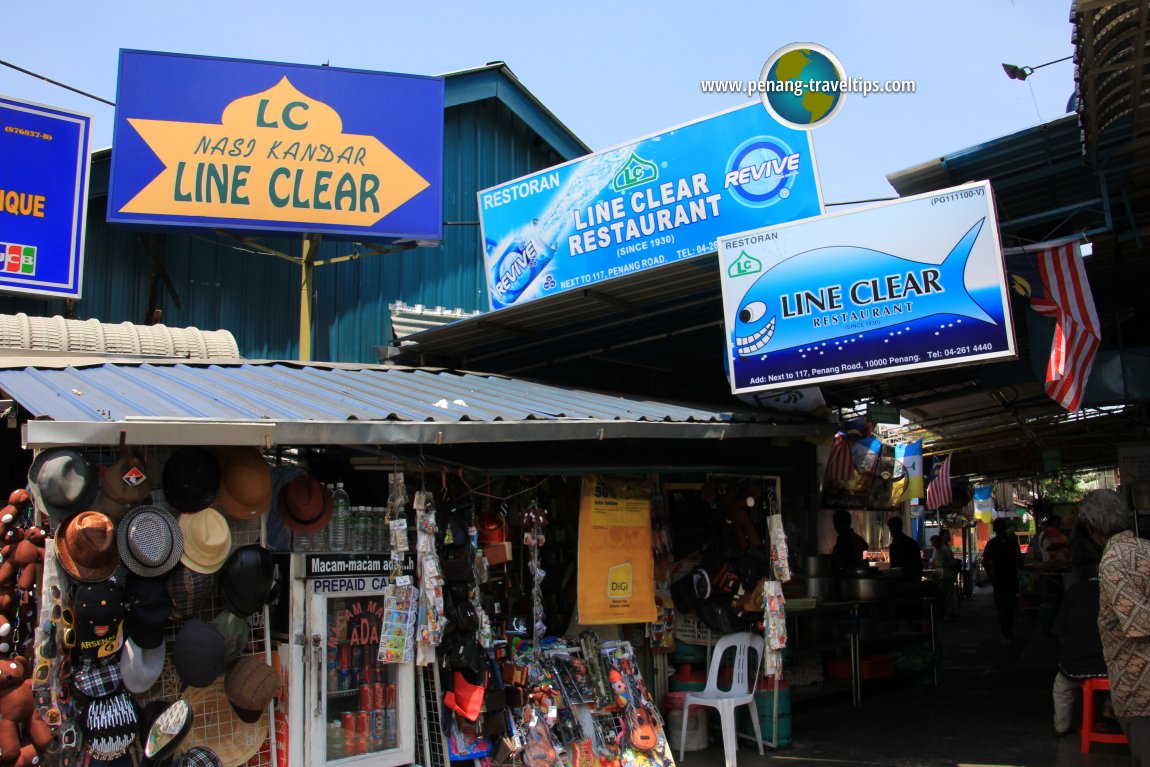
x: 611, y: 72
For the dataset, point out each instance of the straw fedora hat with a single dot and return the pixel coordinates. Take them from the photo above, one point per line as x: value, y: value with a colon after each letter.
x: 207, y: 540
x: 124, y: 484
x: 217, y: 727
x: 62, y: 482
x: 86, y: 547
x: 245, y: 482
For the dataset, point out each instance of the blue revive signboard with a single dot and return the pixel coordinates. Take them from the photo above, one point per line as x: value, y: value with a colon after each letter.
x: 252, y: 145
x: 651, y: 202
x: 916, y: 283
x: 43, y: 198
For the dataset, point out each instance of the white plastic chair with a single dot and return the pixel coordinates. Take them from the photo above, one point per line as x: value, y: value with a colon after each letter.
x: 740, y: 693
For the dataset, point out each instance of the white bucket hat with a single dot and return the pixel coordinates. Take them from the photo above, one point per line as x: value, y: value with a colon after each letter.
x: 140, y: 669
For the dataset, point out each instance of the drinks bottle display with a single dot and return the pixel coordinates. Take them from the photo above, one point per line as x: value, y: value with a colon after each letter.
x: 527, y: 254
x: 340, y: 519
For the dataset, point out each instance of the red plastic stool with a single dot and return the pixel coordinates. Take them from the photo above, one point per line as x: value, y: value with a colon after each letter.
x: 1089, y: 734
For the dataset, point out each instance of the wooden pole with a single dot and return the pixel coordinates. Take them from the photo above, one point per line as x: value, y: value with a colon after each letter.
x: 307, y: 273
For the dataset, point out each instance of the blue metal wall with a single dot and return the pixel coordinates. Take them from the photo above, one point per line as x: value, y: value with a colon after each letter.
x: 224, y: 285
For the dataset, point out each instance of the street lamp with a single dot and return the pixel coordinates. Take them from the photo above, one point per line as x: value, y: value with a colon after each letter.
x: 1021, y: 73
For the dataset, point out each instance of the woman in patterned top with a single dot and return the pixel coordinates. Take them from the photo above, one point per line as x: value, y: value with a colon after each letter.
x: 1124, y: 614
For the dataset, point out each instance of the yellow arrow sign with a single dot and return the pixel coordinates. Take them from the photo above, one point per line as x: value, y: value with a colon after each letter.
x: 277, y: 156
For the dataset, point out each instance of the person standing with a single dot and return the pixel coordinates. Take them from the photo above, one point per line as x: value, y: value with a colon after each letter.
x: 904, y: 552
x: 849, y: 552
x: 943, y: 560
x: 1123, y: 614
x: 1002, y: 558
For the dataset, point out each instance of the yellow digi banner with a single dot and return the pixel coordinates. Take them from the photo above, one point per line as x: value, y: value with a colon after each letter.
x: 278, y: 155
x: 616, y: 565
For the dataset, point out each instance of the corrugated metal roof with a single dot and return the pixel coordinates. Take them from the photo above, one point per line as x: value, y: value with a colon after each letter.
x: 298, y: 404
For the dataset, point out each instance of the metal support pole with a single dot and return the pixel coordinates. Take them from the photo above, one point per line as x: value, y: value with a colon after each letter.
x: 307, y: 273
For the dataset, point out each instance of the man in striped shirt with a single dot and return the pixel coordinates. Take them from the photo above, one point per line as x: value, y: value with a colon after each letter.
x: 1124, y: 614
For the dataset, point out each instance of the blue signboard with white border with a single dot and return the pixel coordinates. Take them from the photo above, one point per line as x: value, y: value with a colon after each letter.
x: 43, y: 198
x: 251, y: 145
x: 653, y: 201
x: 911, y: 284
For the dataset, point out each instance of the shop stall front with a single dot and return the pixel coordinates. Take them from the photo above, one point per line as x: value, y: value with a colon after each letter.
x: 412, y: 612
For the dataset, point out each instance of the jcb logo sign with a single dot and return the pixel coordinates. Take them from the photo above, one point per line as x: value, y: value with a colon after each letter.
x: 619, y: 581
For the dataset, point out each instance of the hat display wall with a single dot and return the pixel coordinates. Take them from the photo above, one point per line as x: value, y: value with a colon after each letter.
x: 248, y: 580
x: 245, y: 482
x: 207, y: 540
x: 86, y: 546
x: 149, y: 541
x: 251, y: 684
x: 123, y: 485
x: 191, y: 479
x: 199, y: 653
x: 99, y: 609
x: 63, y: 481
x: 304, y: 505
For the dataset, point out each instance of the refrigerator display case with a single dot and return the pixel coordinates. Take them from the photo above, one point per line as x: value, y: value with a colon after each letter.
x: 357, y: 709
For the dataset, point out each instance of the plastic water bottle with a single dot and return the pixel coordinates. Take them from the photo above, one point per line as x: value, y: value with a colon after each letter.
x: 340, y: 521
x: 360, y: 523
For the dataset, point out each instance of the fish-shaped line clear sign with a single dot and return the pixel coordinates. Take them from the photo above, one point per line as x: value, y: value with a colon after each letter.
x: 870, y: 289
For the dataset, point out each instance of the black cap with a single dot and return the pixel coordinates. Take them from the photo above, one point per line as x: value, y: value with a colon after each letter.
x: 99, y: 609
x: 191, y: 479
x: 148, y: 608
x: 248, y: 580
x: 199, y: 653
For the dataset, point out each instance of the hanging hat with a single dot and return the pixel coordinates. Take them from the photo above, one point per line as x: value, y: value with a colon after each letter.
x: 109, y: 726
x: 233, y: 740
x: 188, y: 589
x: 236, y: 633
x: 86, y: 547
x: 96, y: 677
x: 248, y: 580
x: 150, y: 541
x: 140, y: 668
x: 164, y: 727
x: 251, y: 684
x: 63, y: 481
x: 198, y: 654
x: 123, y: 485
x: 245, y: 484
x: 191, y: 479
x: 149, y: 607
x: 304, y: 505
x: 198, y: 757
x: 99, y: 609
x: 207, y: 540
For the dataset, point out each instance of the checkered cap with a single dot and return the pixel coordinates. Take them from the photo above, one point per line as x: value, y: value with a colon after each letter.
x: 188, y: 590
x: 110, y: 726
x: 97, y: 678
x: 197, y: 757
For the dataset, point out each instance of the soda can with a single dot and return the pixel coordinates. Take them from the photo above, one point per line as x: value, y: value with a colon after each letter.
x: 357, y: 657
x: 366, y: 697
x: 344, y: 656
x: 362, y: 725
x: 348, y: 722
x: 332, y: 658
x: 377, y: 729
x: 378, y: 700
x: 345, y: 680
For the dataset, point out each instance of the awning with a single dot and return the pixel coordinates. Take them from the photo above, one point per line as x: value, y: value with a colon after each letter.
x: 301, y: 404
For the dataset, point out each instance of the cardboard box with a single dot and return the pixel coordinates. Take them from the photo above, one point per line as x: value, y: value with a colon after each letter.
x: 497, y: 553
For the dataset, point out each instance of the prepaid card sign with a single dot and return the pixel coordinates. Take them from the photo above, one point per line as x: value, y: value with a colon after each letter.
x: 911, y: 284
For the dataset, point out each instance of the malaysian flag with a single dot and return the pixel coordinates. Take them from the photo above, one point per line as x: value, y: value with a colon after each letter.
x: 938, y: 491
x: 839, y: 468
x: 1052, y: 276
